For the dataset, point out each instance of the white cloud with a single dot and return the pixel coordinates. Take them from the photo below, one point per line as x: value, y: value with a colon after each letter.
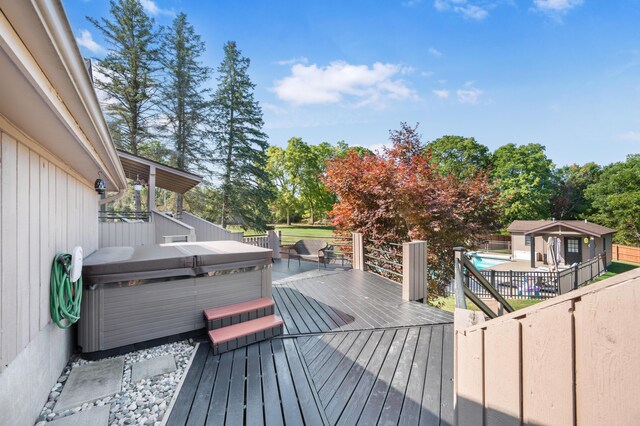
x: 476, y: 10
x: 444, y: 94
x: 555, y: 9
x: 472, y: 12
x: 469, y: 95
x: 153, y: 9
x: 426, y: 73
x: 411, y: 3
x: 434, y: 52
x: 556, y: 5
x: 292, y: 61
x: 365, y: 85
x: 630, y: 136
x: 86, y: 40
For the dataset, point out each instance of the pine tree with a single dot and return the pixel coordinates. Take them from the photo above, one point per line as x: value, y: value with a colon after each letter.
x: 128, y: 72
x: 239, y: 145
x: 183, y: 99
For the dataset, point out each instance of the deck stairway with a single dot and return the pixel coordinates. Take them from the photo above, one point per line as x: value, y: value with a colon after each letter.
x: 234, y: 326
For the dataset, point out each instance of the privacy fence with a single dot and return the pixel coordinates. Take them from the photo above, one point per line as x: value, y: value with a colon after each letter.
x: 571, y: 360
x: 626, y: 253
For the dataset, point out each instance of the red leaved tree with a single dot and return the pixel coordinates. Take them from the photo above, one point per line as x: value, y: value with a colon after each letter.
x: 399, y: 195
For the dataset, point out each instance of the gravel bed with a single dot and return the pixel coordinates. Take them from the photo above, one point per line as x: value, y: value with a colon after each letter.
x: 141, y: 403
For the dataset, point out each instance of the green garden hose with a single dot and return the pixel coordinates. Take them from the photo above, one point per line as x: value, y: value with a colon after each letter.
x: 65, y: 297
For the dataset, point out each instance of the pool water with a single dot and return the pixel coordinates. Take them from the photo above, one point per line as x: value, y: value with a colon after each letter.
x: 484, y: 262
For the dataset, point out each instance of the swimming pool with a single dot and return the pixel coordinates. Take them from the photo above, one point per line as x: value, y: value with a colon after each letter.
x: 485, y: 262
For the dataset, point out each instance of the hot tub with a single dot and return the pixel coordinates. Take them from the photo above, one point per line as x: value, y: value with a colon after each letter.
x: 135, y: 294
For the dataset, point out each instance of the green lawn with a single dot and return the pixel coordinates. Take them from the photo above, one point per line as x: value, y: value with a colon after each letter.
x: 616, y: 267
x: 295, y: 232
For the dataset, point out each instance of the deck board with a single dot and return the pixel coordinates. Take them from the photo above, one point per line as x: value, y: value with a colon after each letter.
x: 353, y: 353
x: 362, y: 301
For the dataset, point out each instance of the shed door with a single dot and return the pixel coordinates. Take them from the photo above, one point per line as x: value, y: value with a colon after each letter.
x: 572, y: 251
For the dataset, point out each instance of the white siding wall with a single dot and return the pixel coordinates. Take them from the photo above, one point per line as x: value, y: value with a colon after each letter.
x: 122, y: 234
x: 45, y: 209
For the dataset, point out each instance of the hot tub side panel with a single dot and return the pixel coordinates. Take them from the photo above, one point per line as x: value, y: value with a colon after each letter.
x: 117, y: 314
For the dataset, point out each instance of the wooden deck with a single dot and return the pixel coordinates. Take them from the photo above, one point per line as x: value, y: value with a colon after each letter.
x: 355, y: 353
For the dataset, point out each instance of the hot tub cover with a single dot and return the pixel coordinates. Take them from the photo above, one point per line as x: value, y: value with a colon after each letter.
x: 113, y: 264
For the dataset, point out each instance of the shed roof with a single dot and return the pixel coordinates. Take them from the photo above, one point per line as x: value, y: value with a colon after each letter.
x: 167, y: 177
x: 546, y: 226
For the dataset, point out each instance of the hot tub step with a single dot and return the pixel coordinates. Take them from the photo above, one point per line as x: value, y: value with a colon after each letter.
x: 243, y: 334
x: 223, y: 316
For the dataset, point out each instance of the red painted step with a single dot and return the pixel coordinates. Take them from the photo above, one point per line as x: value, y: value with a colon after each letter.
x: 245, y: 333
x: 238, y: 308
x: 223, y: 316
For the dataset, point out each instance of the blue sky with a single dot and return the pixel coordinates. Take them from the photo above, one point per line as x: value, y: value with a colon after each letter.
x: 563, y: 73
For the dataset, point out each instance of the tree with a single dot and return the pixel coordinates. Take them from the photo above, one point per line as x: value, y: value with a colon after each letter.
x: 239, y: 145
x: 615, y: 198
x: 306, y: 164
x: 523, y: 175
x: 128, y: 72
x: 184, y: 105
x: 401, y: 195
x: 459, y: 156
x: 286, y: 188
x: 568, y: 200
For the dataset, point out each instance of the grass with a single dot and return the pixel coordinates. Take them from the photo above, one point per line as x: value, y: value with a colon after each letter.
x: 293, y: 233
x: 616, y: 267
x: 448, y: 303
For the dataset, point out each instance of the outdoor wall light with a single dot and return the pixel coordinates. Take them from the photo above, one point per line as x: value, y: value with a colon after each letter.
x: 137, y: 185
x: 99, y: 185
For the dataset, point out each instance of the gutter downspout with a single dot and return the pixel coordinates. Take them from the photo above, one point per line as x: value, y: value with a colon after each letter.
x: 111, y: 198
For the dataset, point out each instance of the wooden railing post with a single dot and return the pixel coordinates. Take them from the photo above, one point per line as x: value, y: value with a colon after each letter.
x: 461, y: 302
x: 358, y: 251
x: 414, y: 270
x: 274, y: 243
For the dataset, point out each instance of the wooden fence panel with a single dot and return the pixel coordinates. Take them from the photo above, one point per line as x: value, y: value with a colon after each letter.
x: 166, y: 227
x: 503, y: 392
x: 547, y: 366
x: 470, y: 377
x: 205, y: 230
x: 626, y: 253
x: 608, y: 357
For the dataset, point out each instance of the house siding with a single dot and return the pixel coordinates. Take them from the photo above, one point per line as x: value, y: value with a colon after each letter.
x: 520, y: 250
x: 45, y: 209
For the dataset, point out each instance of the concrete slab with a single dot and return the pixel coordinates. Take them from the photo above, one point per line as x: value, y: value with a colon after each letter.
x: 152, y: 367
x: 97, y: 416
x: 89, y: 382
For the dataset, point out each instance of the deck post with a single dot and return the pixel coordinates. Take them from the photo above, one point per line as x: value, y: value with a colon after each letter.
x: 358, y: 251
x: 414, y: 270
x: 533, y: 251
x: 274, y: 243
x: 151, y: 195
x: 461, y: 302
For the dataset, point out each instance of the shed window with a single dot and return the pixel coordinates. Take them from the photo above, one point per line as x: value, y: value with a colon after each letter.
x: 527, y: 240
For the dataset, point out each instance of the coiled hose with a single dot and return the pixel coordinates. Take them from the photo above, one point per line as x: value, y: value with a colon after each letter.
x: 65, y: 297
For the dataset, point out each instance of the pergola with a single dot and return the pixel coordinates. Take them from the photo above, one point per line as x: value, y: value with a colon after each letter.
x: 157, y: 175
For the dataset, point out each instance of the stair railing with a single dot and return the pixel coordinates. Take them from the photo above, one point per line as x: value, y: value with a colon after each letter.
x: 462, y: 262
